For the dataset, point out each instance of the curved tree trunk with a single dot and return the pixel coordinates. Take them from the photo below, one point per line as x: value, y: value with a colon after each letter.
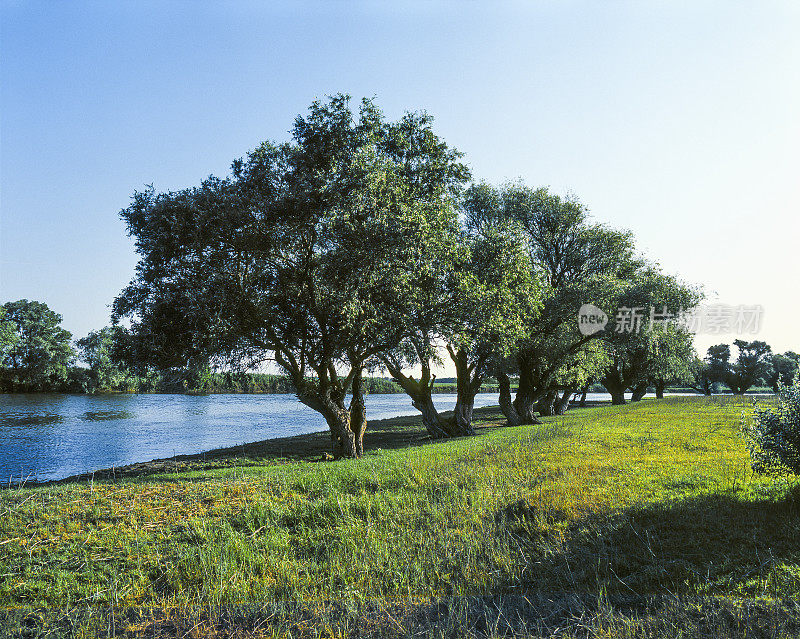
x: 584, y: 392
x: 527, y: 398
x: 506, y: 405
x: 562, y: 404
x: 420, y: 391
x: 639, y: 391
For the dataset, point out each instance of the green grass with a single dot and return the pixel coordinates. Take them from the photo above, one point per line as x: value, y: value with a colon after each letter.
x: 626, y: 512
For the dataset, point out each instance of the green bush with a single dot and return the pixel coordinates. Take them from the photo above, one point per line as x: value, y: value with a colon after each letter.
x: 773, y: 435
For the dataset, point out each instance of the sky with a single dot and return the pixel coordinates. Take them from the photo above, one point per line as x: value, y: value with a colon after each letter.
x: 677, y: 120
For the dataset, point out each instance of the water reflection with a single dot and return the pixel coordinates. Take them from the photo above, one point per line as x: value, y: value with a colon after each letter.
x: 104, y: 415
x: 30, y: 419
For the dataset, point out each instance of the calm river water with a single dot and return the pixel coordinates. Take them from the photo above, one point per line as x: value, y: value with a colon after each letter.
x: 50, y: 436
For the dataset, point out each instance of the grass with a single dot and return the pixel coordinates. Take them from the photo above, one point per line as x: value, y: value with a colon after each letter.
x: 641, y: 520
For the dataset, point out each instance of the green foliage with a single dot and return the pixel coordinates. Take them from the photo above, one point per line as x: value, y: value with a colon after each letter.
x: 314, y: 253
x: 654, y: 351
x: 753, y: 365
x: 784, y: 369
x: 575, y: 260
x: 773, y: 434
x: 97, y: 349
x: 36, y: 351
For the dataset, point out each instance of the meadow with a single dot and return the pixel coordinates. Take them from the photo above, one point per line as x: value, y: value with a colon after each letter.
x: 642, y: 520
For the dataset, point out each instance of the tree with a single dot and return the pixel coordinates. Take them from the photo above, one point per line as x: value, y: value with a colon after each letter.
x: 97, y: 349
x: 718, y: 360
x: 498, y: 299
x: 700, y: 378
x: 753, y: 365
x: 575, y: 261
x: 478, y: 315
x: 784, y: 369
x: 37, y: 350
x: 313, y: 254
x: 641, y: 347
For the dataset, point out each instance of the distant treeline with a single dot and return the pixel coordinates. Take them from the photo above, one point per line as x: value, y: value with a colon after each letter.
x: 82, y: 380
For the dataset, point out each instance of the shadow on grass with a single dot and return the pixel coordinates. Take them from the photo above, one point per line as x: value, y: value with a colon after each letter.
x: 511, y: 616
x: 706, y: 545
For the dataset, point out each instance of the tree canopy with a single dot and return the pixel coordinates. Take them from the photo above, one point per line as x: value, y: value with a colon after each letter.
x: 36, y: 351
x: 314, y: 253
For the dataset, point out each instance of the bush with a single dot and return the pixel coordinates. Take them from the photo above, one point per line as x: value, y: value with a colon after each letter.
x: 773, y: 435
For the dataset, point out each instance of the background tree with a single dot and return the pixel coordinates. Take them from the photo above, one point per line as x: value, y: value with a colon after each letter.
x: 97, y: 349
x: 752, y: 366
x: 38, y: 353
x: 718, y: 360
x: 313, y: 254
x: 8, y: 334
x: 644, y: 349
x: 784, y: 369
x: 700, y: 378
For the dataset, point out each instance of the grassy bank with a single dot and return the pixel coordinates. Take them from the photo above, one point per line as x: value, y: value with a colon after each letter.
x: 642, y: 520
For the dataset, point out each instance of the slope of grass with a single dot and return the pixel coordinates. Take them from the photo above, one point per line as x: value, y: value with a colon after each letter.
x: 603, y: 509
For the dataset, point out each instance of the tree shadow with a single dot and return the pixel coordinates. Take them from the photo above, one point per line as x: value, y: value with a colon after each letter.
x: 712, y: 544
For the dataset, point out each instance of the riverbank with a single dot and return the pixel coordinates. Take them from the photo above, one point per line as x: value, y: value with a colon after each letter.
x: 639, y: 520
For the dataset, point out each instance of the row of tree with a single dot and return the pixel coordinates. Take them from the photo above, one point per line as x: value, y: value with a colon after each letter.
x: 755, y: 365
x: 360, y: 245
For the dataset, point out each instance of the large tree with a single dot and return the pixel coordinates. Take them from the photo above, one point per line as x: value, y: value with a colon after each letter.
x: 476, y: 317
x: 576, y: 261
x: 313, y: 254
x: 37, y: 350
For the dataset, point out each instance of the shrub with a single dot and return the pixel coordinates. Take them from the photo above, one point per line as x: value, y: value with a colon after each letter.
x: 773, y: 435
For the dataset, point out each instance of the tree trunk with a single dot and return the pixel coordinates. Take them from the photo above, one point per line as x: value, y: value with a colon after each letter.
x: 434, y: 423
x: 506, y: 405
x: 617, y: 397
x: 639, y: 391
x: 562, y: 405
x: 466, y: 389
x: 527, y: 397
x: 462, y: 414
x: 420, y: 393
x: 546, y: 405
x: 584, y: 392
x: 660, y: 390
x: 344, y: 439
x: 615, y: 386
x: 358, y: 413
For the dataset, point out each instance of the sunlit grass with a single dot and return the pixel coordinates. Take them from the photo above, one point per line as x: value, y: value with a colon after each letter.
x: 650, y: 499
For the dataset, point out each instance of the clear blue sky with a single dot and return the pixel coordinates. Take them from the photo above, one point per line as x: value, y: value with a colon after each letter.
x: 678, y: 120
